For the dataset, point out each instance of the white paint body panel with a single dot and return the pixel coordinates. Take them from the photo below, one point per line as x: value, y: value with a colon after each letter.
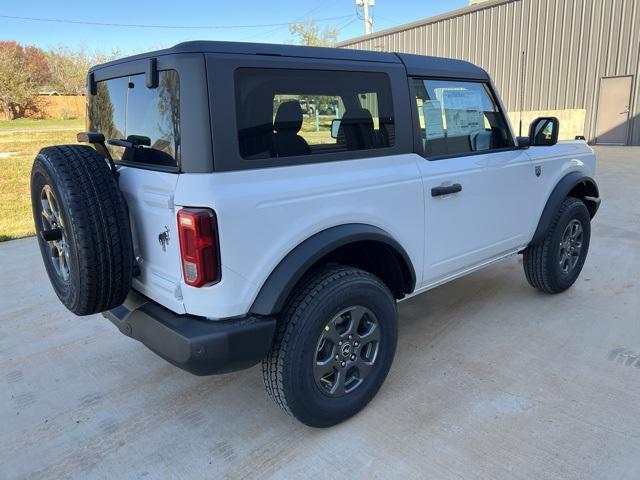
x: 556, y: 162
x: 150, y: 198
x: 469, y: 227
x: 263, y: 214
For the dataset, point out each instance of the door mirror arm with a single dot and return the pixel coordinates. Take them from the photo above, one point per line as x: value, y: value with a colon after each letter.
x: 523, y: 143
x: 97, y: 140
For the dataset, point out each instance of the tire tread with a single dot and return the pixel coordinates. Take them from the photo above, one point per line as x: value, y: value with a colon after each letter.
x: 99, y: 225
x: 273, y: 364
x: 535, y: 257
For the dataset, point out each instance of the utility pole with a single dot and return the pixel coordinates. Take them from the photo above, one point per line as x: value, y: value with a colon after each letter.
x: 368, y: 19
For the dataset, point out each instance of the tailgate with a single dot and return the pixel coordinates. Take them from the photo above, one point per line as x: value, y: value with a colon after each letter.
x: 150, y: 195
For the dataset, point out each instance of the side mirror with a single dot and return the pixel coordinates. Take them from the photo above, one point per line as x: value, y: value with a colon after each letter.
x: 543, y: 132
x: 335, y: 127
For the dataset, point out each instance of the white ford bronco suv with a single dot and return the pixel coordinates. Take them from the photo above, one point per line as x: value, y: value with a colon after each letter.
x: 245, y: 203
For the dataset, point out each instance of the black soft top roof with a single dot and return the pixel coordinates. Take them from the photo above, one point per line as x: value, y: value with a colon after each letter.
x: 420, y: 65
x: 415, y: 64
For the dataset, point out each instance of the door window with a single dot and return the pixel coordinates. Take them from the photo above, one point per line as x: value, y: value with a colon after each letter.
x: 459, y: 117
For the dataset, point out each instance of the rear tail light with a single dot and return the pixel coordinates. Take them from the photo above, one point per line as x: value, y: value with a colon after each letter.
x: 199, y: 248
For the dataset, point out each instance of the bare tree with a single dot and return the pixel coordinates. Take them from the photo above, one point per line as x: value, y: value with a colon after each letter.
x: 310, y: 34
x: 69, y: 67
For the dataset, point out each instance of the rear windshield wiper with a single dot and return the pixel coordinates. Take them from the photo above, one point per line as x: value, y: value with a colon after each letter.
x: 132, y: 141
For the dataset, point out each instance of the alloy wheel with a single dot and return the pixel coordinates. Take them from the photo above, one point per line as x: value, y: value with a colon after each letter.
x: 58, y: 247
x: 571, y: 246
x: 346, y: 351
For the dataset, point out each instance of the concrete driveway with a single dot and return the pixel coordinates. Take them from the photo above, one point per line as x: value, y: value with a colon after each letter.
x: 491, y: 380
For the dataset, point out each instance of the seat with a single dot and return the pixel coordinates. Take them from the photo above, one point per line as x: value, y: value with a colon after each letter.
x: 356, y: 129
x: 287, y: 124
x: 387, y: 134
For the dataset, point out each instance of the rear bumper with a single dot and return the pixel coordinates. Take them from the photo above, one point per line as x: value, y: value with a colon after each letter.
x: 199, y: 346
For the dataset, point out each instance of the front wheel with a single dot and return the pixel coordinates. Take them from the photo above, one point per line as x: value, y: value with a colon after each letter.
x: 553, y: 265
x: 334, y: 346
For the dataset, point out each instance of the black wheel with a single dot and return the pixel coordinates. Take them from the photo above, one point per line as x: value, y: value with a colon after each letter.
x: 82, y: 228
x: 553, y: 265
x: 334, y: 346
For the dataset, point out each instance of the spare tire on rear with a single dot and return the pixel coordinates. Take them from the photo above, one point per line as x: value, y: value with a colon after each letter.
x: 82, y: 227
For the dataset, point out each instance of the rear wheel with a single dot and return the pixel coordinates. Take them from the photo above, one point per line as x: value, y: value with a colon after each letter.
x: 553, y: 265
x: 82, y: 227
x: 334, y: 346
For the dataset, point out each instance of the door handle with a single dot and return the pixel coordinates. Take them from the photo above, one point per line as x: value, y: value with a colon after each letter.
x: 437, y: 191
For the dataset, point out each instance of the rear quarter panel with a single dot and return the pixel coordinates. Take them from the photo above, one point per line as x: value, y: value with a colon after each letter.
x: 264, y: 213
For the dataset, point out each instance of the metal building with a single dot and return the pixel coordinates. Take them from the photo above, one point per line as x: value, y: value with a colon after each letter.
x: 576, y: 59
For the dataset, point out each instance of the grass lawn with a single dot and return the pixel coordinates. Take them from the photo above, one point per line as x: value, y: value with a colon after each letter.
x: 34, y: 125
x: 20, y: 141
x: 313, y: 137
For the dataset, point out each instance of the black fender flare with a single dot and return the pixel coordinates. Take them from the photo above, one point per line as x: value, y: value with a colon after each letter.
x: 590, y: 195
x: 280, y: 283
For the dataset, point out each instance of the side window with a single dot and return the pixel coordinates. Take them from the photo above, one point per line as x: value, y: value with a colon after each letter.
x: 124, y: 108
x: 459, y: 117
x: 283, y: 113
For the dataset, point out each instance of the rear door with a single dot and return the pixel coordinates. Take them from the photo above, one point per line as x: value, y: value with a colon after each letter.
x: 614, y: 105
x: 125, y: 108
x: 473, y: 177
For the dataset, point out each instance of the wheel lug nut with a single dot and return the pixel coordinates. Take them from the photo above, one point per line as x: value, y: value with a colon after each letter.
x: 356, y: 343
x: 337, y: 357
x: 343, y: 364
x: 340, y: 342
x: 353, y: 357
x: 350, y: 337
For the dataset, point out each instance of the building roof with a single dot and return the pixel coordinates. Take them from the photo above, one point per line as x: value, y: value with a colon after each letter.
x: 425, y: 21
x: 415, y: 64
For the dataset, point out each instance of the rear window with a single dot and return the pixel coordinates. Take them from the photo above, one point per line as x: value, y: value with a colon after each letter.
x: 124, y: 108
x: 286, y: 113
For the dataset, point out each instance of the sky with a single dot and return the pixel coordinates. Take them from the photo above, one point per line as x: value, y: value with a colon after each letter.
x: 235, y: 15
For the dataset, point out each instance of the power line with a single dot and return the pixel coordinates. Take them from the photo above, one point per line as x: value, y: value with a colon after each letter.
x: 182, y: 27
x: 345, y: 25
x: 296, y: 20
x: 395, y: 22
x: 299, y: 19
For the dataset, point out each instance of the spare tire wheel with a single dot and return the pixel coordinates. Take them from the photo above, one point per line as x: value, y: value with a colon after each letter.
x: 82, y: 228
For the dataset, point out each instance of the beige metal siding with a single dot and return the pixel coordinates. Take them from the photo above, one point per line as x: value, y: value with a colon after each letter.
x: 569, y: 46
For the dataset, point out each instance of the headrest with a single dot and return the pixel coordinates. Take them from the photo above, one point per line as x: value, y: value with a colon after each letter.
x: 357, y: 116
x: 288, y: 117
